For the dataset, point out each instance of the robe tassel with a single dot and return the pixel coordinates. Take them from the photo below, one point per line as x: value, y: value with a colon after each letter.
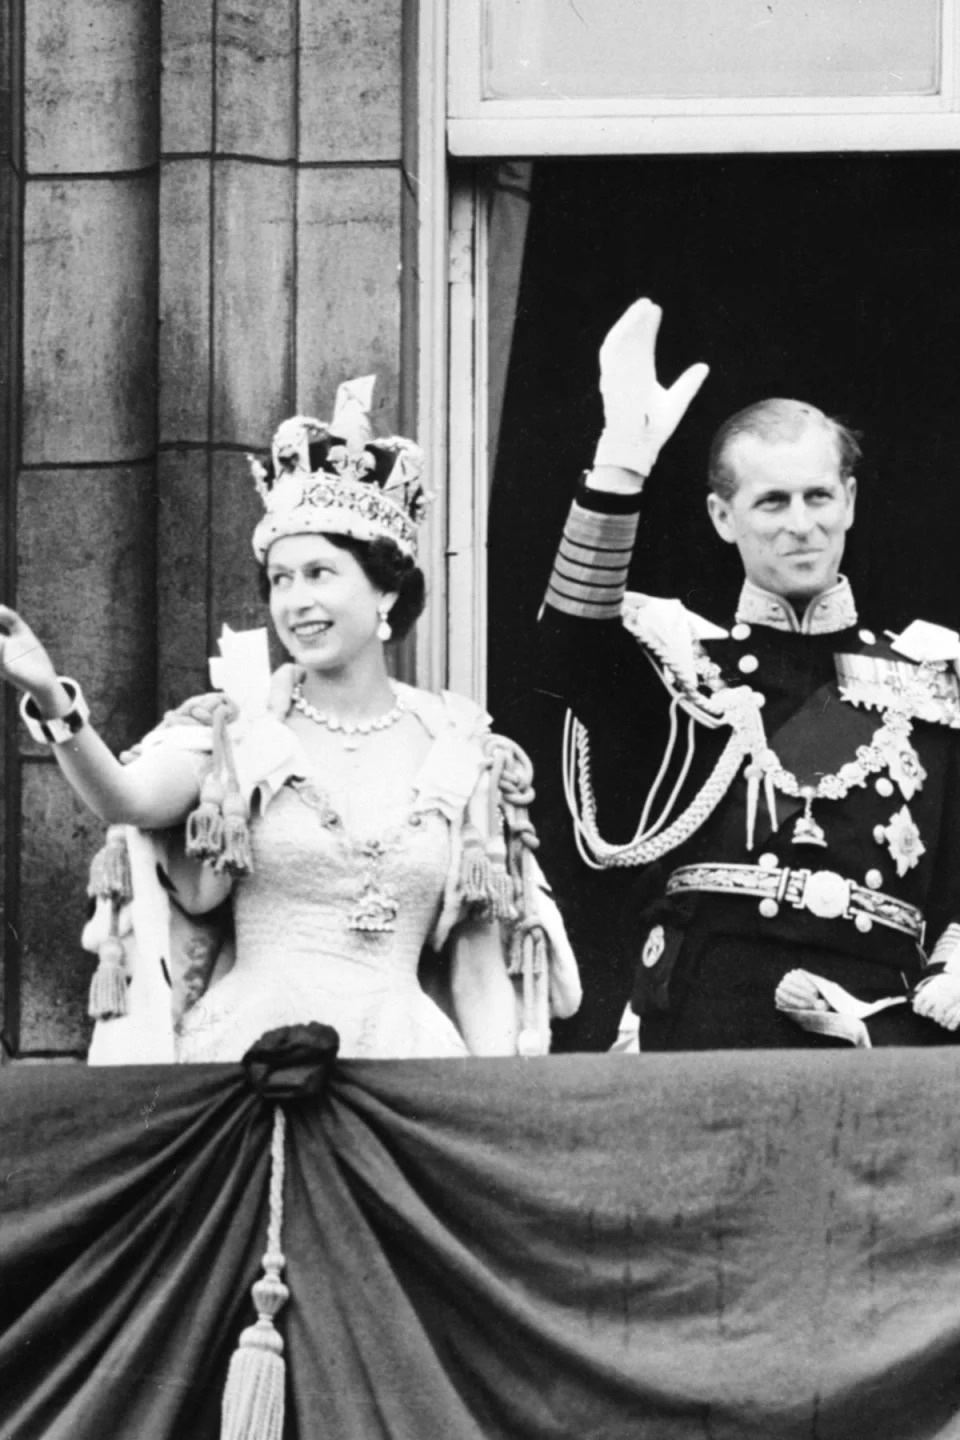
x: 474, y: 868
x: 108, y: 985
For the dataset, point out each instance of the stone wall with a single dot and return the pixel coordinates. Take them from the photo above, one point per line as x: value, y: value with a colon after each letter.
x: 203, y: 233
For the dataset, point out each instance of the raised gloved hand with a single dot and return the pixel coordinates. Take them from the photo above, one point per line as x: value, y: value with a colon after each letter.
x: 639, y: 414
x: 939, y: 999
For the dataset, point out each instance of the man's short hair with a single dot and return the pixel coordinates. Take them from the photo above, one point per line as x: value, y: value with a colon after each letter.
x: 774, y: 421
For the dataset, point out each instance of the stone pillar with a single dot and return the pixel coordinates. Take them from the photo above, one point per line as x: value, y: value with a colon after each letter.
x: 280, y: 254
x: 181, y: 269
x: 11, y: 208
x: 84, y: 498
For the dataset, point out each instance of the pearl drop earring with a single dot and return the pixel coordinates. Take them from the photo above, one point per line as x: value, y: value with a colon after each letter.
x: 384, y: 630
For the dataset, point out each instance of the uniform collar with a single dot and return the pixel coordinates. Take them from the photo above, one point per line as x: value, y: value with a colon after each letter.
x: 825, y: 614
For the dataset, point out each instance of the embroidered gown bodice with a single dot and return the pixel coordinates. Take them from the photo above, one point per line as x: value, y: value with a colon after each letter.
x: 330, y: 925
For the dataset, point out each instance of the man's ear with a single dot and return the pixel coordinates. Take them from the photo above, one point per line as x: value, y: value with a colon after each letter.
x: 850, y: 485
x: 719, y: 511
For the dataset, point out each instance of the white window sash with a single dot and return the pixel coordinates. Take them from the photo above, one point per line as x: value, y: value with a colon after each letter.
x: 480, y: 127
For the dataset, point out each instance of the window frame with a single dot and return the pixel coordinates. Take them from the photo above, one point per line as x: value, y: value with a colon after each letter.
x: 481, y: 127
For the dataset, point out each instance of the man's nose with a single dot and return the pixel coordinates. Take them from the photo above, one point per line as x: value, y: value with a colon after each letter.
x: 800, y: 518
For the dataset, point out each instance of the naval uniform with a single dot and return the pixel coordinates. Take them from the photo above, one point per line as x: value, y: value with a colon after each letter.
x: 828, y: 842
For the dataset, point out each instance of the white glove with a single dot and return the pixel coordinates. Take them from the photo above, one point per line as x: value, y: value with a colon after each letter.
x: 639, y: 415
x: 939, y: 999
x: 798, y: 990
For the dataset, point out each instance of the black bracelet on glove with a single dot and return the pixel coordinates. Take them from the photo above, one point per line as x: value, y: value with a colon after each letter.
x: 62, y: 727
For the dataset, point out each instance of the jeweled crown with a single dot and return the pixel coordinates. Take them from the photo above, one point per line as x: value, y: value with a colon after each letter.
x: 337, y: 478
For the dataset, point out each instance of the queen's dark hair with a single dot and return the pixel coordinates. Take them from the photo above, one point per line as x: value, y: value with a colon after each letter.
x: 774, y: 421
x: 388, y: 569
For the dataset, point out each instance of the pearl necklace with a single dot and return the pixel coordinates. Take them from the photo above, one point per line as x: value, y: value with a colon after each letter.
x: 352, y: 731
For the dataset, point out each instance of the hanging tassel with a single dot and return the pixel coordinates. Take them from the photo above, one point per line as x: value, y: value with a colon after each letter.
x: 501, y: 888
x: 499, y: 883
x: 474, y: 868
x: 204, y: 830
x: 770, y: 793
x: 236, y: 857
x: 534, y: 960
x: 110, y: 868
x: 204, y: 833
x: 253, y: 1400
x: 530, y: 962
x: 108, y: 987
x: 752, y: 773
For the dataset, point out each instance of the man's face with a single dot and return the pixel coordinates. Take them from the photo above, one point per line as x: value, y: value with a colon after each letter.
x: 790, y: 513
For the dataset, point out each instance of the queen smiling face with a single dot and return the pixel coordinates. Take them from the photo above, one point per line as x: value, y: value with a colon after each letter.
x: 325, y: 608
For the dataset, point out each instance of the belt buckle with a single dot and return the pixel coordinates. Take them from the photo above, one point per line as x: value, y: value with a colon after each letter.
x: 826, y: 894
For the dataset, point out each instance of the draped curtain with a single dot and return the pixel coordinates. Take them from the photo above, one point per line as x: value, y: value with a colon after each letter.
x: 679, y: 1246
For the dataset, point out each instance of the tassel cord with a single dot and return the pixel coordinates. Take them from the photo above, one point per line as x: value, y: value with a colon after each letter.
x: 493, y: 793
x: 598, y: 853
x: 532, y: 960
x: 277, y: 1176
x: 668, y: 809
x: 664, y: 765
x: 236, y: 857
x: 226, y: 750
x: 204, y: 831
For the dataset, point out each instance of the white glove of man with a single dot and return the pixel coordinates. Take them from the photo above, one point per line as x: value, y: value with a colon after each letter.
x: 639, y: 414
x: 939, y: 999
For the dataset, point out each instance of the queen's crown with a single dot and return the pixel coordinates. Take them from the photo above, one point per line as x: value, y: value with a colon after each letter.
x: 338, y: 478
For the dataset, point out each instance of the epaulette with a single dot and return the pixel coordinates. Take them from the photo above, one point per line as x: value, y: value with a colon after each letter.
x: 672, y: 636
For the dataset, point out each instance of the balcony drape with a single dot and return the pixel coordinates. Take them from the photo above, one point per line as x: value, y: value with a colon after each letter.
x: 749, y: 1245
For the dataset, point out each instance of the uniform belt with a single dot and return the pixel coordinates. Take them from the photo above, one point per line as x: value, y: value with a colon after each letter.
x: 823, y: 893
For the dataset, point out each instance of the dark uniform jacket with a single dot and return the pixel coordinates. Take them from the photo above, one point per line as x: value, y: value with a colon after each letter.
x: 857, y: 886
